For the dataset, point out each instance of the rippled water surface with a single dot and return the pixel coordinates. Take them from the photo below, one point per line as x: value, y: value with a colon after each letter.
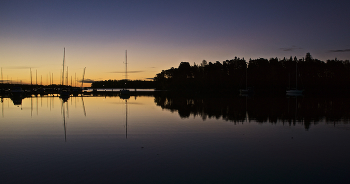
x: 161, y: 139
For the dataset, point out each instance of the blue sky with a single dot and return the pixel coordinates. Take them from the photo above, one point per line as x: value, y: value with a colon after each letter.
x: 161, y: 34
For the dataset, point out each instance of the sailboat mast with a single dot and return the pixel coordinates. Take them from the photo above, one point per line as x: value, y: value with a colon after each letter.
x: 296, y: 75
x: 67, y: 77
x: 289, y: 80
x: 82, y: 81
x: 64, y: 56
x: 246, y: 77
x: 126, y: 64
x: 31, y: 83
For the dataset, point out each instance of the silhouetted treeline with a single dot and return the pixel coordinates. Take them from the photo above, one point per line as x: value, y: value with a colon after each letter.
x: 140, y: 84
x: 306, y: 111
x: 273, y: 75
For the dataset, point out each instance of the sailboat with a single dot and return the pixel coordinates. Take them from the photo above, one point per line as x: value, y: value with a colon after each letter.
x: 64, y: 92
x: 296, y: 91
x: 125, y: 91
x: 247, y: 91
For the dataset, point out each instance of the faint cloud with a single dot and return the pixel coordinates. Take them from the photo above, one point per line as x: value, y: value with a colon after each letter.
x: 19, y: 67
x: 134, y: 103
x: 288, y: 49
x: 342, y: 50
x: 135, y: 71
x: 128, y: 72
x: 87, y: 81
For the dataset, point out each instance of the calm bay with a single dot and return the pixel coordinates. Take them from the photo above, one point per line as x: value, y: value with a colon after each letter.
x: 171, y: 139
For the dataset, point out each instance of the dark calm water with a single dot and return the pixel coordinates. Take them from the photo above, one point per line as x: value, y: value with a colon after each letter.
x: 162, y: 139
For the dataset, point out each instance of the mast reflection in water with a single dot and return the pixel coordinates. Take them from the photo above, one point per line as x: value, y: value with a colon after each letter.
x: 173, y: 139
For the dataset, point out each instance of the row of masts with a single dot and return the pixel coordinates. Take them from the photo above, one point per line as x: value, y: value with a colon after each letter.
x: 63, y: 81
x: 64, y: 60
x: 50, y: 79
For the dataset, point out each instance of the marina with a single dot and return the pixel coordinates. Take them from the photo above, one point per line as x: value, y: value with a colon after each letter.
x: 174, y: 92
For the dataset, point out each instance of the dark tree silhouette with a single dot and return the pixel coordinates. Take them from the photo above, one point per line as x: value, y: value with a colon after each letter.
x: 266, y: 76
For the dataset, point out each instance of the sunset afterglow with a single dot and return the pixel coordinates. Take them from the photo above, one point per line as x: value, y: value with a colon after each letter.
x: 159, y: 35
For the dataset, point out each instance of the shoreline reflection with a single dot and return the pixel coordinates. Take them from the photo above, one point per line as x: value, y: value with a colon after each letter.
x: 304, y: 111
x: 118, y: 135
x: 291, y: 110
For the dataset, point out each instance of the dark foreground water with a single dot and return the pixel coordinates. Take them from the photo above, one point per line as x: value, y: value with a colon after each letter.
x: 175, y: 140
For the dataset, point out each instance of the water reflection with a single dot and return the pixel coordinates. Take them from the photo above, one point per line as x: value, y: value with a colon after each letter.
x: 290, y: 110
x: 2, y: 107
x: 125, y: 97
x: 82, y: 100
x: 63, y: 111
x: 17, y: 101
x: 108, y: 137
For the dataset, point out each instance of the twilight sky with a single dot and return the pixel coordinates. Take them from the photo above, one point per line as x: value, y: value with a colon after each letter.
x: 160, y: 34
